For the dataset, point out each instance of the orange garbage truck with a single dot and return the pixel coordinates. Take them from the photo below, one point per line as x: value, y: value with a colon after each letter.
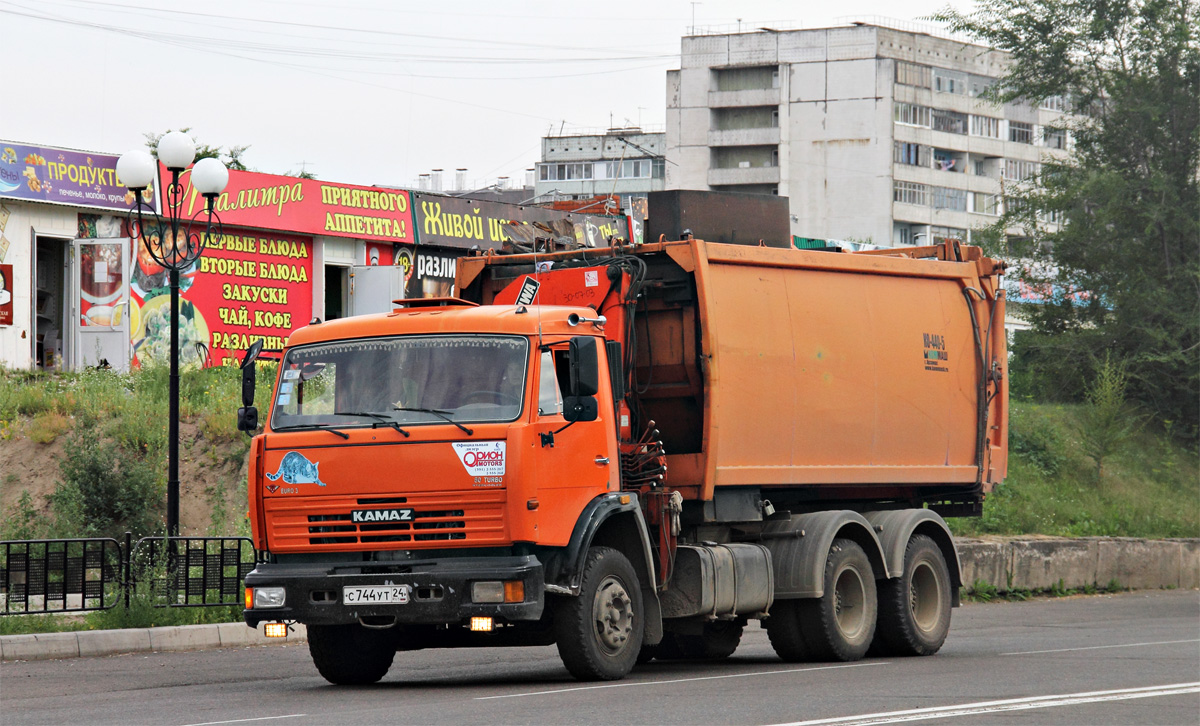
x: 632, y: 453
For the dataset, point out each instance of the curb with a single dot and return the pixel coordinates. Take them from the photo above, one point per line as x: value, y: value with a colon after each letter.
x: 90, y: 643
x: 1006, y: 563
x: 1041, y: 563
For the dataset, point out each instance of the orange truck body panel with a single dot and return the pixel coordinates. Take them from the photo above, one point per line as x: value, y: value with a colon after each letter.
x: 856, y: 373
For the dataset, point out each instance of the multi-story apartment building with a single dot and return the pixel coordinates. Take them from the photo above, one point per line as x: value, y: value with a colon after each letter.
x: 625, y: 162
x: 874, y: 134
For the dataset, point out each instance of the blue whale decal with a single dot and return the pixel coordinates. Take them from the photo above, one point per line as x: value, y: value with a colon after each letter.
x: 295, y: 469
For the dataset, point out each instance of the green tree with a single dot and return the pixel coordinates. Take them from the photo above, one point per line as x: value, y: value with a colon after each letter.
x: 1106, y: 423
x: 231, y: 156
x: 1125, y: 262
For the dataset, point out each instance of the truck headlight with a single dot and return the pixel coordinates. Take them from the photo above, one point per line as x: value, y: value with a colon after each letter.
x: 269, y: 597
x: 487, y: 592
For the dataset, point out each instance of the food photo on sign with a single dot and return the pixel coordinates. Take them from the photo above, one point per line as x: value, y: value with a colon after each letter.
x: 6, y: 304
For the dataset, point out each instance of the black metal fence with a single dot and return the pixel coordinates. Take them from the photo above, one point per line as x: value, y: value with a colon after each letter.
x: 84, y: 574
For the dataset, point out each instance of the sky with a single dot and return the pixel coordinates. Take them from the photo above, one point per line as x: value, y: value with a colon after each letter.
x: 364, y: 91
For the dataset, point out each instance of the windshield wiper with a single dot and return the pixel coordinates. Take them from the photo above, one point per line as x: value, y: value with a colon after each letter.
x: 379, y: 419
x: 437, y: 412
x: 312, y: 427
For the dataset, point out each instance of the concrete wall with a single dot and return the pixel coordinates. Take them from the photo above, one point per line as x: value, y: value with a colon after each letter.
x: 1040, y: 563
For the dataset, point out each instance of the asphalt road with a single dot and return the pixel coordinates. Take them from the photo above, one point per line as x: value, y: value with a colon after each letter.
x: 1126, y: 659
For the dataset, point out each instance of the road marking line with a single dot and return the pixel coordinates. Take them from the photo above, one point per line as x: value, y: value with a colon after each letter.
x: 677, y: 680
x: 1102, y: 647
x: 245, y: 720
x: 1010, y: 704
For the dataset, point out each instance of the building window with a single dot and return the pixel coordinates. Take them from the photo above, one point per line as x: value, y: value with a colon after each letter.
x: 1053, y: 103
x: 1020, y: 132
x: 906, y: 152
x: 1055, y: 138
x: 953, y: 199
x: 947, y: 234
x: 629, y: 169
x: 911, y: 114
x: 985, y: 126
x: 658, y: 168
x: 982, y: 203
x: 911, y: 74
x: 951, y: 122
x: 949, y: 81
x: 774, y: 118
x: 565, y: 172
x: 1017, y: 170
x: 980, y: 85
x: 910, y: 193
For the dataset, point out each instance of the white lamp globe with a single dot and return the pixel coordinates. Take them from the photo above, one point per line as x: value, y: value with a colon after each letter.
x: 136, y: 169
x: 176, y: 149
x: 209, y: 176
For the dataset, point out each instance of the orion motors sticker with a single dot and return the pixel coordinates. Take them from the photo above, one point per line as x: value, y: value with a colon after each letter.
x: 481, y: 458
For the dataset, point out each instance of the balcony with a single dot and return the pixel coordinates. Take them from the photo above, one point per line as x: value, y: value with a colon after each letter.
x: 748, y: 97
x: 744, y: 137
x: 744, y: 175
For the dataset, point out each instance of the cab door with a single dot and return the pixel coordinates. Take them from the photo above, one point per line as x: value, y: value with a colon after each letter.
x: 582, y: 461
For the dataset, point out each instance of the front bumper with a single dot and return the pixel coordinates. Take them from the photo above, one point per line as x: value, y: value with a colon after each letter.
x: 439, y: 590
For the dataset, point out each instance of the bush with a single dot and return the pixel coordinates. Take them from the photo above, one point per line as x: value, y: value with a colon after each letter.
x: 106, y: 490
x: 1106, y: 422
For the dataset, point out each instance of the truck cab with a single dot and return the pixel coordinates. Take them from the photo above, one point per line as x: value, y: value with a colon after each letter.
x: 427, y: 467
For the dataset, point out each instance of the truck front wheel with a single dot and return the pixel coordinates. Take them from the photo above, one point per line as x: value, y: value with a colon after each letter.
x: 350, y: 655
x: 840, y: 624
x: 914, y: 609
x: 599, y: 633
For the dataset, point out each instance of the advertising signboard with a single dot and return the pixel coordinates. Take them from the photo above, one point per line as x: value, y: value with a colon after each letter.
x: 6, y: 296
x: 247, y: 286
x: 304, y: 206
x: 63, y: 176
x: 470, y: 223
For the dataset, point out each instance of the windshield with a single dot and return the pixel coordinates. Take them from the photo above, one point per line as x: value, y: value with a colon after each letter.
x: 406, y: 380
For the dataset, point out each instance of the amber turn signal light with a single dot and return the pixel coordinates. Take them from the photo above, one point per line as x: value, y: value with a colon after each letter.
x: 514, y: 591
x: 249, y: 597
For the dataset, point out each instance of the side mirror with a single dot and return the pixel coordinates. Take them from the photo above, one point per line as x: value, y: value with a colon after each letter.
x: 249, y: 374
x: 248, y: 414
x: 580, y: 408
x: 247, y: 419
x: 585, y: 367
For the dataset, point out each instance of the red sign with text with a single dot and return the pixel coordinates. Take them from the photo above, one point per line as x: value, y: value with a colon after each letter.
x: 247, y: 286
x: 303, y: 206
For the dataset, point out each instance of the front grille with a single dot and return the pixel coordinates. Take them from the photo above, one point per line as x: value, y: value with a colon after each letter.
x: 472, y: 517
x: 391, y: 527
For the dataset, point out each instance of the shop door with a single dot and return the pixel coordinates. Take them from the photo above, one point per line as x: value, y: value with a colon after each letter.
x: 101, y: 287
x: 374, y: 287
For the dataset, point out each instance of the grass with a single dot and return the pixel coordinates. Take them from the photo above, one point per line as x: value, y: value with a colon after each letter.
x: 983, y: 591
x: 1150, y: 485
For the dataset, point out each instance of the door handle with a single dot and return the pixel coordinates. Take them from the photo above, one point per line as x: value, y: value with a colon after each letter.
x: 602, y: 460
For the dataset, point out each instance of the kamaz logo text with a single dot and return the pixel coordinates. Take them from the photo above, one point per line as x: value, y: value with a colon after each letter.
x: 381, y: 515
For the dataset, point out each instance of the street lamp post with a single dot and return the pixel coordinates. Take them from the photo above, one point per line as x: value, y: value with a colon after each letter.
x: 172, y: 243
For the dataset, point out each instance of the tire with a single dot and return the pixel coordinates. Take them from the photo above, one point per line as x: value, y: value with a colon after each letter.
x: 719, y: 640
x: 599, y: 633
x: 914, y: 609
x: 783, y: 630
x: 350, y: 655
x: 839, y: 625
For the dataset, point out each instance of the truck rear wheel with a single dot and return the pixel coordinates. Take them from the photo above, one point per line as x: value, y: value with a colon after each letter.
x: 350, y: 655
x: 840, y: 624
x: 599, y: 633
x: 914, y: 609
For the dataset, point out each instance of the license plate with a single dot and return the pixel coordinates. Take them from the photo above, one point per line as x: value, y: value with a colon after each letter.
x: 389, y: 594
